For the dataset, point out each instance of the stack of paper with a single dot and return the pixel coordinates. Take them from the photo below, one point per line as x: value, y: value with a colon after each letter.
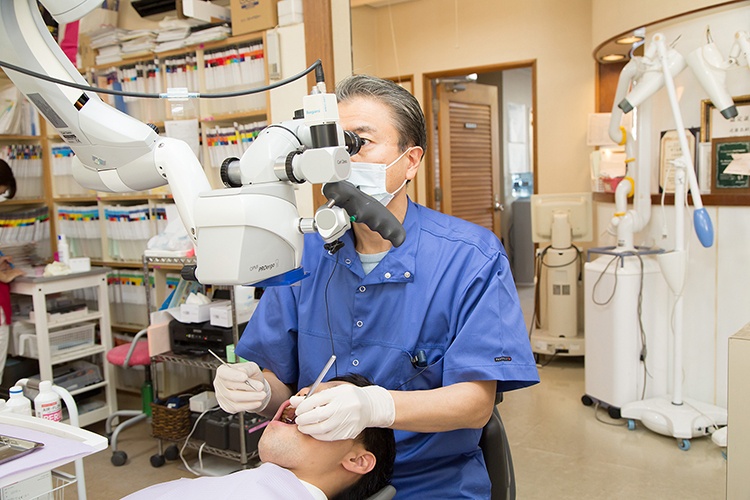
x: 109, y: 54
x: 25, y: 160
x: 24, y: 226
x: 128, y: 231
x: 80, y: 225
x: 137, y: 43
x: 209, y: 35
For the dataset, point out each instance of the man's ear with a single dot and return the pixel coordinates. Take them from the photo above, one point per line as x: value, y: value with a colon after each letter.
x: 415, y: 159
x: 359, y: 461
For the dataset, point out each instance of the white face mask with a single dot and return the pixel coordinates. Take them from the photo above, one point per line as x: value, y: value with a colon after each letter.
x: 370, y: 178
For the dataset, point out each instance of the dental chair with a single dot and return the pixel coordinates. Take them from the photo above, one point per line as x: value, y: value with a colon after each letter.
x: 497, y: 457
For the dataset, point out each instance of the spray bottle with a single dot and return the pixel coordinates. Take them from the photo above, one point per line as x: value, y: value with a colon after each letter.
x: 47, y: 404
x: 63, y: 251
x: 18, y: 402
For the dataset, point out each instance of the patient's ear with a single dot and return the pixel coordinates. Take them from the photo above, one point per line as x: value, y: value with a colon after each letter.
x: 359, y: 461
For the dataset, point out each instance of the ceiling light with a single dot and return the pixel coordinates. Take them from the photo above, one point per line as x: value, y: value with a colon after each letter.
x: 629, y: 40
x: 613, y: 57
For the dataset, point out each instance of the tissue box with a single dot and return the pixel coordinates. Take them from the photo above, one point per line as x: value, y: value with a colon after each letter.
x: 79, y: 264
x: 198, y: 313
x: 221, y: 315
x: 203, y: 401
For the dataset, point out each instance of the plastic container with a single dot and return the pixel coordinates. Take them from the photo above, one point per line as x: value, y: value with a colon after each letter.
x: 4, y: 408
x: 63, y: 251
x: 47, y: 404
x: 18, y: 402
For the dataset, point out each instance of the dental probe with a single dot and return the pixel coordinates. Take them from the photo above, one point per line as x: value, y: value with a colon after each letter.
x: 247, y: 382
x: 320, y: 377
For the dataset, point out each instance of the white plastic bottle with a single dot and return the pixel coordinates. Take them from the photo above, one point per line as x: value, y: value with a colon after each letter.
x: 63, y: 251
x: 47, y: 404
x: 4, y: 408
x: 18, y: 402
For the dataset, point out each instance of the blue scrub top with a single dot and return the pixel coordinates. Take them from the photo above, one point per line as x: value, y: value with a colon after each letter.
x: 446, y: 291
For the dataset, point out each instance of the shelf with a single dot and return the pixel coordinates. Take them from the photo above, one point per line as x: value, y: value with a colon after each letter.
x: 204, y: 362
x: 170, y: 263
x: 93, y: 416
x: 13, y: 137
x: 88, y: 388
x: 73, y: 354
x: 128, y: 328
x: 254, y: 113
x: 70, y: 321
x: 117, y: 263
x: 24, y: 201
x: 134, y: 197
x: 723, y: 200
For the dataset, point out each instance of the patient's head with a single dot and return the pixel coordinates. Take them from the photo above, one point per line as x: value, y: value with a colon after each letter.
x: 345, y: 469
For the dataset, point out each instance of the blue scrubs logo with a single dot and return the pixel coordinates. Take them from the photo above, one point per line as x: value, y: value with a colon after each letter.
x: 503, y: 358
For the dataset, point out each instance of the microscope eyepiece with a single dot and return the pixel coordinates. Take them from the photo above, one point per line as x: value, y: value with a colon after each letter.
x: 353, y: 142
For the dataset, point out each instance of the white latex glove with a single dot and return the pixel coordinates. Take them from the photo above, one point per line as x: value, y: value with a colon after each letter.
x: 342, y: 412
x: 241, y: 387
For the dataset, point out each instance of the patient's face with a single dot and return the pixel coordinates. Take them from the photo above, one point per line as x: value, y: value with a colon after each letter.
x: 284, y: 445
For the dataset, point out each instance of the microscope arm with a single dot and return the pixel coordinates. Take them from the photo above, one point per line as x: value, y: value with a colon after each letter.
x: 114, y: 152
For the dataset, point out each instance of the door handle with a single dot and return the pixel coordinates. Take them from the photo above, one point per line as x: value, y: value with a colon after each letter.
x: 499, y: 207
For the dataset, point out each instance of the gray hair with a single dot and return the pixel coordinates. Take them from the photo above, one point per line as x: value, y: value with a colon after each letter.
x: 407, y: 114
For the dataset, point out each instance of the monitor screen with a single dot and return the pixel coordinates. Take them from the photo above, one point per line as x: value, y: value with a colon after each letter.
x: 577, y: 207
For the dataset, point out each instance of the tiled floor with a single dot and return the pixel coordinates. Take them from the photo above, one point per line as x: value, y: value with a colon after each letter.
x: 561, y: 449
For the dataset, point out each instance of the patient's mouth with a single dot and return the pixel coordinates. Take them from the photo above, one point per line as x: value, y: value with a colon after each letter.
x: 288, y: 416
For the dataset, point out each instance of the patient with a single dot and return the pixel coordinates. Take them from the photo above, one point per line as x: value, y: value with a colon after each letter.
x: 298, y: 466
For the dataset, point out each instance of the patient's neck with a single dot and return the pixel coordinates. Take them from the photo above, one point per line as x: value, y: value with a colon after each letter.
x: 331, y: 482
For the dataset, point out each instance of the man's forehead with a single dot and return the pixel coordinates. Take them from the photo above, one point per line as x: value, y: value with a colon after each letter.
x: 365, y: 114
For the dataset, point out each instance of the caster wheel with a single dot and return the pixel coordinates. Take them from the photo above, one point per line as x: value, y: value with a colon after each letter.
x: 683, y: 444
x: 631, y: 424
x: 586, y: 400
x: 614, y: 412
x: 157, y: 460
x: 119, y: 458
x: 172, y: 453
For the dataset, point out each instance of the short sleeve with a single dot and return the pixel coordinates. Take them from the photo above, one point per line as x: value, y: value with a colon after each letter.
x: 491, y: 341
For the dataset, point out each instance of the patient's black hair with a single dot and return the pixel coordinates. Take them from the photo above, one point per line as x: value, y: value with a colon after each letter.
x: 378, y: 441
x: 7, y: 179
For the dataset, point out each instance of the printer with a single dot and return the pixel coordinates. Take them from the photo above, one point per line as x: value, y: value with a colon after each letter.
x: 197, y: 338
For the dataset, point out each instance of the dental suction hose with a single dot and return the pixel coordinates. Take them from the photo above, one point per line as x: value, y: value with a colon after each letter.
x: 364, y: 208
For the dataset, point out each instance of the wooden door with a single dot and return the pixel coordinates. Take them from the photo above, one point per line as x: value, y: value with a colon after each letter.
x: 469, y: 153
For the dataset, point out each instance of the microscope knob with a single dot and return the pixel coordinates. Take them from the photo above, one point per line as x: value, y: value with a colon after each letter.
x: 230, y: 172
x: 154, y: 127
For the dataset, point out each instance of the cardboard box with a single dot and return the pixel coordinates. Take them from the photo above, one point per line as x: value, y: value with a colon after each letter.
x: 249, y: 16
x: 86, y: 53
x: 97, y: 20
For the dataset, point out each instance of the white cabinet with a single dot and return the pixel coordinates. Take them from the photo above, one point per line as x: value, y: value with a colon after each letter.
x: 38, y: 288
x: 738, y: 436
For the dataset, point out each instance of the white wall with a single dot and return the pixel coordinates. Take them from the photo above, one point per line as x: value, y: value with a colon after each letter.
x: 425, y: 36
x: 613, y: 17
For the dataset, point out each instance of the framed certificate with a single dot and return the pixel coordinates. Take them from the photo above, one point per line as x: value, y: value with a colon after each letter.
x: 715, y: 126
x: 722, y: 155
x: 669, y: 151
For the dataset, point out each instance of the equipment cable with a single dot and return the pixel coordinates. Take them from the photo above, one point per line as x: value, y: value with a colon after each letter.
x: 145, y: 95
x: 328, y: 315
